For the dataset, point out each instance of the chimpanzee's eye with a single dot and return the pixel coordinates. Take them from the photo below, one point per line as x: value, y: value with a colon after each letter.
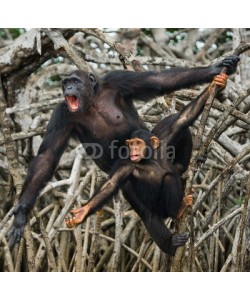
x: 77, y: 81
x: 64, y: 82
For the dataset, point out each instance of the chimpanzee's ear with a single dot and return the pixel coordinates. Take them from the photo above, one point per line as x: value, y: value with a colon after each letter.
x: 127, y: 142
x: 155, y: 142
x: 92, y: 79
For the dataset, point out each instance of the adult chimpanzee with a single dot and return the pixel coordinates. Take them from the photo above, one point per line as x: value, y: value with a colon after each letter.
x: 153, y: 181
x: 101, y: 111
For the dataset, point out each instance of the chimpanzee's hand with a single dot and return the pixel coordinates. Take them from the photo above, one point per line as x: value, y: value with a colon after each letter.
x: 16, y: 231
x: 79, y: 216
x: 230, y: 62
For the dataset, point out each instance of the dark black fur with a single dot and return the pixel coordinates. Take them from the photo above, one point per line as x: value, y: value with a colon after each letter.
x: 106, y: 113
x: 153, y: 186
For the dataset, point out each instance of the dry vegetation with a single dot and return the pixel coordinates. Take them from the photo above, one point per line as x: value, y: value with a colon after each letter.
x: 114, y: 239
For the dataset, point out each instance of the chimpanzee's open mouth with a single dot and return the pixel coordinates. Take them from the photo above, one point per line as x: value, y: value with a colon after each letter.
x: 135, y: 158
x: 73, y: 103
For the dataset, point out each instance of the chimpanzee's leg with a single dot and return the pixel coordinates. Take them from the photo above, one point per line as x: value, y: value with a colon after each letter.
x: 171, y: 196
x: 154, y: 224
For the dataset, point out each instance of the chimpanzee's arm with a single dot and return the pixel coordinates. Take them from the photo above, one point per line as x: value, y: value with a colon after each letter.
x: 190, y: 112
x: 41, y: 169
x: 146, y: 85
x: 109, y: 188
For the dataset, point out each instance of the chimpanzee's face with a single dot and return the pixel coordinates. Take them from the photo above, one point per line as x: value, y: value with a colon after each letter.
x: 78, y: 90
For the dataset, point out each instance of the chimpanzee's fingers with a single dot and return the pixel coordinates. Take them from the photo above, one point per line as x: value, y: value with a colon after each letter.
x: 231, y: 63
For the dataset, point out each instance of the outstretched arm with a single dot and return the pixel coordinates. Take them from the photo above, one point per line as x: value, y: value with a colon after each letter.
x: 109, y: 188
x: 190, y: 112
x: 146, y: 85
x: 40, y: 170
